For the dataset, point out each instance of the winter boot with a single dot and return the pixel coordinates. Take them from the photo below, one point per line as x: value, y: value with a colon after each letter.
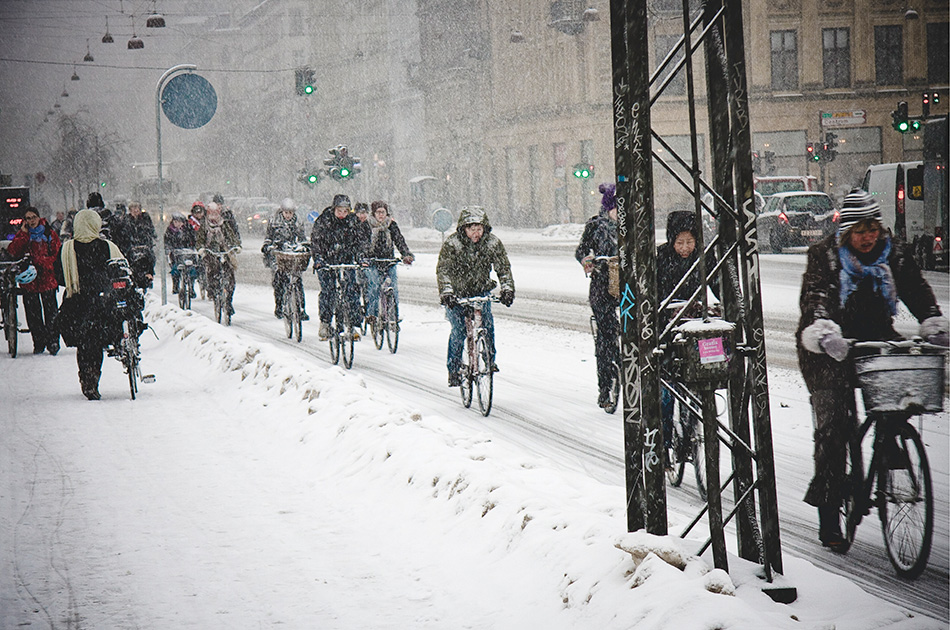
x: 829, y: 529
x: 324, y: 332
x: 89, y: 383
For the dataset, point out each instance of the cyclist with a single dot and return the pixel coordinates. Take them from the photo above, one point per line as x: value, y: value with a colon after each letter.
x: 132, y: 230
x: 464, y: 270
x: 37, y: 238
x: 178, y: 235
x: 600, y: 239
x: 283, y: 230
x: 852, y: 282
x: 337, y: 239
x: 197, y: 216
x: 216, y: 235
x: 227, y: 213
x: 385, y: 236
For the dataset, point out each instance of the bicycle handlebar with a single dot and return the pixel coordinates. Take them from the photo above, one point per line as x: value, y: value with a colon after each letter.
x: 219, y: 254
x: 478, y: 299
x: 387, y: 261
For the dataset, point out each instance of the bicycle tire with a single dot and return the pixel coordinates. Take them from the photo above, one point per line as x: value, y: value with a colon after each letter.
x: 675, y: 465
x: 906, y: 505
x: 334, y: 340
x: 392, y: 324
x: 227, y: 295
x: 346, y: 346
x: 298, y: 319
x: 129, y: 353
x: 288, y: 309
x: 484, y: 377
x: 218, y: 305
x: 614, y: 400
x: 467, y: 373
x: 10, y: 324
x: 184, y: 294
x: 378, y: 329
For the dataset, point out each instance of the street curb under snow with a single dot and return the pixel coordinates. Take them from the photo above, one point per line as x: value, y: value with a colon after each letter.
x: 571, y: 527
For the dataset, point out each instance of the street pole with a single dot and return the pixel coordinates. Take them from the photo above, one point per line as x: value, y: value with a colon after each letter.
x: 158, y: 134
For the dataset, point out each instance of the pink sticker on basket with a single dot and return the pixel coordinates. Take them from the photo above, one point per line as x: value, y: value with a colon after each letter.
x: 711, y: 350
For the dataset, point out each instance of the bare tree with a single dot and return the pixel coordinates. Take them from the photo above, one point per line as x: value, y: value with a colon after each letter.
x: 84, y: 159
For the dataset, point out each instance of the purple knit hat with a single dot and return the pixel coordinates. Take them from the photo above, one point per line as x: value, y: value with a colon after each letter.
x: 609, y: 199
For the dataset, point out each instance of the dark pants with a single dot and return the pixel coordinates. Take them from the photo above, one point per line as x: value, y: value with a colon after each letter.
x: 834, y: 416
x: 328, y: 295
x: 89, y: 360
x: 607, y: 345
x: 279, y: 282
x: 40, y: 310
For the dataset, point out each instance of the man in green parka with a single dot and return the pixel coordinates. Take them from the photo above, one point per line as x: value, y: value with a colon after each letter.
x: 464, y: 270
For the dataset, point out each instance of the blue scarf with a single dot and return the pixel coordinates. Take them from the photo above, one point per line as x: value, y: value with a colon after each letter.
x: 853, y: 271
x: 38, y: 234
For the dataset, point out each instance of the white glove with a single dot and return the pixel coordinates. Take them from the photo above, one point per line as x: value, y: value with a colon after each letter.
x: 936, y: 330
x: 824, y: 336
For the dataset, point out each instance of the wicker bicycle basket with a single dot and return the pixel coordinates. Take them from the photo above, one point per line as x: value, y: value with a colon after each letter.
x: 613, y: 277
x: 292, y: 262
x: 900, y: 376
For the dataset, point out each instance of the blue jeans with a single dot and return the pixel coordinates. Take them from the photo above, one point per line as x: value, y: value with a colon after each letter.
x: 456, y: 317
x: 374, y: 280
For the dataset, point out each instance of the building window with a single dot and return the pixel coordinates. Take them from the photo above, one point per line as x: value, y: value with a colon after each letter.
x: 837, y: 57
x: 784, y: 60
x: 938, y: 42
x: 889, y: 55
x: 662, y: 47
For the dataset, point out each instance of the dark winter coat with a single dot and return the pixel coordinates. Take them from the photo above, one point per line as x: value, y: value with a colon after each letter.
x: 865, y: 316
x: 130, y: 232
x: 464, y: 268
x: 671, y: 267
x: 281, y: 232
x: 599, y: 239
x: 43, y: 255
x: 337, y: 241
x: 183, y: 238
x: 86, y: 316
x: 384, y: 237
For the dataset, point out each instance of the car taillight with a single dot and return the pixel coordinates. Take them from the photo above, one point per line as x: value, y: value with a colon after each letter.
x: 782, y: 217
x: 900, y: 198
x: 118, y: 284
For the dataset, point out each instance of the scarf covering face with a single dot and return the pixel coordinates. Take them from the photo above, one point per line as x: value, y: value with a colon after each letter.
x: 38, y: 234
x: 853, y: 271
x: 86, y: 227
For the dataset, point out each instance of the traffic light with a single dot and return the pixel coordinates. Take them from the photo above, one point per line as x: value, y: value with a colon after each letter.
x: 829, y: 150
x: 341, y: 165
x: 308, y: 177
x: 900, y: 117
x: 303, y: 80
x: 583, y: 171
x: 925, y: 104
x: 811, y: 153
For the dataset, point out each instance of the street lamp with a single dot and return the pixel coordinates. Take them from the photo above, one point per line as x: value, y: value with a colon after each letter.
x: 135, y: 43
x: 107, y: 38
x: 88, y: 56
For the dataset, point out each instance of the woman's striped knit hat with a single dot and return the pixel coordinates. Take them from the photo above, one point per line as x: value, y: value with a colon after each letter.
x: 858, y: 206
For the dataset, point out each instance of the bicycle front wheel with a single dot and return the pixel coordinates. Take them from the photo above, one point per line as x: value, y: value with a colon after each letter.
x: 10, y: 323
x: 675, y: 456
x: 614, y: 398
x: 467, y: 373
x: 484, y: 377
x: 378, y: 328
x: 698, y: 441
x: 186, y: 286
x: 346, y: 343
x: 130, y: 354
x: 906, y: 503
x: 392, y: 323
x: 854, y: 495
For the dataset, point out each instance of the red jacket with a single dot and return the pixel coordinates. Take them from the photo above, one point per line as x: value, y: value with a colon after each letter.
x: 43, y: 255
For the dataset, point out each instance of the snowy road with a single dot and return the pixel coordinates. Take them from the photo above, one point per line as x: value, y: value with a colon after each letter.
x: 544, y: 404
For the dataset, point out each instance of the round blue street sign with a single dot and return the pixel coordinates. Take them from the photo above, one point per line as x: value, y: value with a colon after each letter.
x: 189, y: 101
x: 442, y: 220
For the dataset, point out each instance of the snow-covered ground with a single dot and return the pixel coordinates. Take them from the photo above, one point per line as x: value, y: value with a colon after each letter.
x: 254, y: 485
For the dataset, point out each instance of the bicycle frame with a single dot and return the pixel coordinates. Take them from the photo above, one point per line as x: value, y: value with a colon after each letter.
x: 341, y: 328
x: 387, y: 320
x: 479, y: 370
x: 222, y: 283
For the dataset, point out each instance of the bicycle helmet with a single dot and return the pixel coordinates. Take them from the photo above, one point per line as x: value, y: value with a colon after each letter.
x: 288, y: 204
x: 26, y: 276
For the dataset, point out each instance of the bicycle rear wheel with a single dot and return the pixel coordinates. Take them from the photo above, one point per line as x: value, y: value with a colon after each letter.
x: 906, y: 503
x: 392, y: 323
x: 130, y: 354
x: 484, y: 377
x: 10, y: 323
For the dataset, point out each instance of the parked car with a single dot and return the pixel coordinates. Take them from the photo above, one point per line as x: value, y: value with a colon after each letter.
x: 791, y: 219
x: 767, y: 185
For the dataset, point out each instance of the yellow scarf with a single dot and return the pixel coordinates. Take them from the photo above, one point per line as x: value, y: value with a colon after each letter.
x: 86, y: 225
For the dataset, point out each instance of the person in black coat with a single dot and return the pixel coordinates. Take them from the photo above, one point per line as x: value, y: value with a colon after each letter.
x: 600, y: 239
x: 385, y: 237
x: 336, y: 239
x: 134, y: 233
x: 852, y: 282
x: 84, y: 319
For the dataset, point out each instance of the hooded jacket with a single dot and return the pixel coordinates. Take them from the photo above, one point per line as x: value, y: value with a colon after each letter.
x: 385, y: 236
x: 43, y: 249
x: 464, y: 268
x: 671, y: 267
x: 865, y: 315
x: 337, y: 241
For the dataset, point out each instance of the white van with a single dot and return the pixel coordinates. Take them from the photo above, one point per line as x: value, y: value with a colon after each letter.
x: 899, y: 188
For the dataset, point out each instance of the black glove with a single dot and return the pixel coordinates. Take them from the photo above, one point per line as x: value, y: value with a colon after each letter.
x: 506, y: 297
x: 449, y: 300
x: 317, y: 262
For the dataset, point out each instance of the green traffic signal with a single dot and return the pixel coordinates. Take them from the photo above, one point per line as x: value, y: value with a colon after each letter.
x: 311, y: 179
x: 344, y: 172
x: 102, y: 184
x: 583, y: 171
x: 308, y: 89
x: 915, y: 124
